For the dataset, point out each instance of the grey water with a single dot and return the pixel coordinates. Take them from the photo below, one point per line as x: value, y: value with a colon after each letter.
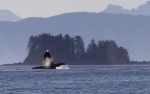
x: 76, y: 80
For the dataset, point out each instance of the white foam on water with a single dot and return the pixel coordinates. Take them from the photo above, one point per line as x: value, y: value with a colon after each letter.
x: 63, y: 67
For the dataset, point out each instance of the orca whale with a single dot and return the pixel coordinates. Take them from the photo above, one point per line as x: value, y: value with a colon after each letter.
x: 49, y: 64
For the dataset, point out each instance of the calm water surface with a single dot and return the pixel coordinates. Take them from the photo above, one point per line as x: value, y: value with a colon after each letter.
x: 76, y: 80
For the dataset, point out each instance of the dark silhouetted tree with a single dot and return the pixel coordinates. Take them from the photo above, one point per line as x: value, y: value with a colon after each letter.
x: 79, y: 48
x: 71, y: 50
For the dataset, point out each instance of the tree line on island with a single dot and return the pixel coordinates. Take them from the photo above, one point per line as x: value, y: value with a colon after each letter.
x: 71, y: 50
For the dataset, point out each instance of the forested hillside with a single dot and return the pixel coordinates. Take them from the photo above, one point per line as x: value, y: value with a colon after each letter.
x: 71, y: 50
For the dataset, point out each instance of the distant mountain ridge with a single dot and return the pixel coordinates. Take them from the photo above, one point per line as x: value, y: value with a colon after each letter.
x: 130, y: 32
x: 6, y: 15
x: 141, y: 10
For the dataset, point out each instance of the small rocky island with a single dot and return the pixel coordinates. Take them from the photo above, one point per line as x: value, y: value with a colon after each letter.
x: 48, y: 63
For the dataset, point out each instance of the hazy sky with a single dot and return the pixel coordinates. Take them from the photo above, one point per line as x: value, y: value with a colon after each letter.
x: 46, y: 8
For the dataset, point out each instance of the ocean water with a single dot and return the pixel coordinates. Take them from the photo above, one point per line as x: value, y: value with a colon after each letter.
x: 76, y: 80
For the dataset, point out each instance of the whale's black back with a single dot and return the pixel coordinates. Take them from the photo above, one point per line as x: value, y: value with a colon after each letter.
x: 53, y: 66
